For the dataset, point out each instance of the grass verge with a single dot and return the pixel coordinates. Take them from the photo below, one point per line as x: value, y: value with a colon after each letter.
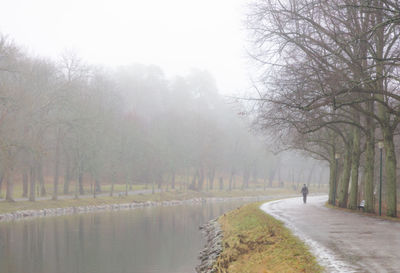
x: 8, y: 207
x: 256, y: 242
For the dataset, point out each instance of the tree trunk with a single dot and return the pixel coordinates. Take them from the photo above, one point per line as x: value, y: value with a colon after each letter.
x: 25, y: 182
x: 211, y: 178
x: 41, y: 178
x: 95, y: 182
x: 321, y: 175
x: 384, y: 115
x: 271, y: 177
x: 361, y: 186
x: 201, y: 179
x: 255, y: 174
x: 77, y: 184
x: 112, y: 185
x: 32, y: 193
x: 231, y: 180
x: 369, y: 173
x: 80, y: 180
x: 152, y: 186
x: 221, y: 183
x: 97, y: 185
x: 67, y: 177
x: 355, y: 164
x: 281, y: 184
x: 1, y: 181
x: 332, y: 174
x: 265, y: 183
x: 126, y: 185
x: 293, y: 180
x: 56, y: 168
x: 390, y: 171
x: 246, y: 177
x: 145, y: 176
x: 160, y: 181
x: 344, y: 185
x: 9, y: 187
x: 173, y: 180
x: 192, y: 185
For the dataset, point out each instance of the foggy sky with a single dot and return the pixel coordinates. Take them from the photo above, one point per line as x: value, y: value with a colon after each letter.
x: 175, y: 34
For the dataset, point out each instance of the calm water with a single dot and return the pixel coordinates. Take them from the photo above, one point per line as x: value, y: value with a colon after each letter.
x: 146, y: 240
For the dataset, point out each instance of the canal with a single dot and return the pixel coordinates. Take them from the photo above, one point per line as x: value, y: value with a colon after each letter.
x: 143, y: 240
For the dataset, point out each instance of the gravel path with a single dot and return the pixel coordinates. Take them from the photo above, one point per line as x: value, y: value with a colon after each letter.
x: 341, y: 241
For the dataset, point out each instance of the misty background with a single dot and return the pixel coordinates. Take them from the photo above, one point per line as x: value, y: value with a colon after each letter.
x: 98, y: 93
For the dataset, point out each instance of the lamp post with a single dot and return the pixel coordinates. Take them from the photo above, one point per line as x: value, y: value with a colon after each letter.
x: 337, y: 156
x: 380, y: 146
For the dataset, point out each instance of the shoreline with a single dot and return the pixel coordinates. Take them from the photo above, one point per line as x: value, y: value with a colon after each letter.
x: 249, y: 240
x: 213, y: 234
x: 53, y: 212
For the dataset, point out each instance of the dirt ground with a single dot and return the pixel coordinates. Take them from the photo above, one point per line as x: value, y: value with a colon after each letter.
x: 342, y: 241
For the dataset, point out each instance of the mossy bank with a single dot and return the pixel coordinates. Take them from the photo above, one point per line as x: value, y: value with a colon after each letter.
x: 254, y: 241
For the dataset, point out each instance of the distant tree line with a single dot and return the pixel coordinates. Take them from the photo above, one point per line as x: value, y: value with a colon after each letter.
x: 330, y: 86
x: 79, y: 124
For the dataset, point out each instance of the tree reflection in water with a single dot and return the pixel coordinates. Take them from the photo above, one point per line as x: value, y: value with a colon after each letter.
x: 158, y: 239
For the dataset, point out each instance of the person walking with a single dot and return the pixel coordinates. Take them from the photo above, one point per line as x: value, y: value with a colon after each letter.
x: 304, y: 191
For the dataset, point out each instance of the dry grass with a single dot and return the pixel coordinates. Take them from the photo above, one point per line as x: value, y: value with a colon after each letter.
x: 256, y: 242
x: 6, y: 207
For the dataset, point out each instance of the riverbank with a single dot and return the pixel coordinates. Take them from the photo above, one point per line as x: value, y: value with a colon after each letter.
x: 208, y: 256
x: 254, y: 241
x: 25, y: 209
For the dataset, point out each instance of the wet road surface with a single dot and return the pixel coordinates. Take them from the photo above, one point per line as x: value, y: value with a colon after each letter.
x: 341, y: 241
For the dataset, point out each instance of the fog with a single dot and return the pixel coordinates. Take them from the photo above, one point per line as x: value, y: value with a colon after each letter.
x: 108, y: 105
x: 121, y: 92
x: 130, y: 125
x: 176, y: 35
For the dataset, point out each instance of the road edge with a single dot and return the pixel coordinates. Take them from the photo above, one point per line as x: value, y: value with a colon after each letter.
x: 325, y: 257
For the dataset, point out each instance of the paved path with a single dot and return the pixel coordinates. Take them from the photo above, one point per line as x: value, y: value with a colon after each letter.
x: 341, y: 241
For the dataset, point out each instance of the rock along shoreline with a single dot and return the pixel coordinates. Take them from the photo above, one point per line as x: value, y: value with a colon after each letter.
x: 213, y: 247
x: 30, y: 214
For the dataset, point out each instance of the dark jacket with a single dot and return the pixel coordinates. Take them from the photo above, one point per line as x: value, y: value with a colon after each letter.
x: 304, y: 190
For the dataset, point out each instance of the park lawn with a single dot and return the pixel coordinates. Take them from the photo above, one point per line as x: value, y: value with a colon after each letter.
x: 17, y: 193
x: 256, y: 242
x: 8, y: 207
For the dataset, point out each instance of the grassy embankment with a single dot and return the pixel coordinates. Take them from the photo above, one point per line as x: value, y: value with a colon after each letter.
x: 6, y: 207
x: 256, y: 242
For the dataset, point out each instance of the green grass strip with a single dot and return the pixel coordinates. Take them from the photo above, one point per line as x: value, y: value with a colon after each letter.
x: 256, y: 242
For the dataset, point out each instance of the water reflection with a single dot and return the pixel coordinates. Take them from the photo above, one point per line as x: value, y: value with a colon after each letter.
x: 160, y: 239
